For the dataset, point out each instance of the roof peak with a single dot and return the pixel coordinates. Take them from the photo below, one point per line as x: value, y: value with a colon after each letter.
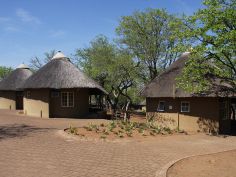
x: 185, y: 53
x: 59, y: 55
x: 22, y: 66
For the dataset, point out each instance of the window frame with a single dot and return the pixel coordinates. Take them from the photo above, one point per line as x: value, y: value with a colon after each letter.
x: 55, y: 94
x: 28, y: 94
x: 67, y: 100
x: 181, y: 106
x: 158, y: 107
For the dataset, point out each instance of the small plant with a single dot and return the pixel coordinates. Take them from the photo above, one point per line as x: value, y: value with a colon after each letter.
x: 105, y: 132
x: 150, y: 117
x: 116, y: 133
x: 144, y: 134
x: 88, y: 128
x: 140, y: 130
x: 120, y: 131
x: 111, y: 126
x: 94, y: 127
x: 167, y: 130
x: 129, y: 134
x: 103, y: 137
x: 152, y: 133
x: 120, y: 135
x: 73, y: 130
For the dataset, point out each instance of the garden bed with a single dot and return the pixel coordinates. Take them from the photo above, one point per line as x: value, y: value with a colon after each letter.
x: 121, y: 130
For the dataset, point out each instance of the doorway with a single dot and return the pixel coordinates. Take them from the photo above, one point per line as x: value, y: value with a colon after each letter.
x: 233, y: 116
x: 227, y: 116
x: 19, y: 100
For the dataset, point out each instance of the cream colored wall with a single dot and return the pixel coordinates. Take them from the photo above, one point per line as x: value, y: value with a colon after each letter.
x: 37, y: 104
x: 8, y: 100
x: 203, y: 115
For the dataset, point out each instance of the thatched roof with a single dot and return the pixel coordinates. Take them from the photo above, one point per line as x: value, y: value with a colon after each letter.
x: 165, y: 84
x: 16, y: 79
x: 60, y: 73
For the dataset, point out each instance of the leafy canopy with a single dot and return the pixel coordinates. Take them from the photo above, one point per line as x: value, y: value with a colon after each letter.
x: 4, y: 71
x: 112, y: 67
x: 152, y: 37
x: 213, y: 62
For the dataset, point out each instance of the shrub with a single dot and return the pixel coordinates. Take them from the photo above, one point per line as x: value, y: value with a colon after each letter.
x: 93, y: 127
x: 72, y: 130
x: 152, y: 133
x: 87, y: 128
x: 129, y: 134
x: 120, y: 135
x: 103, y: 137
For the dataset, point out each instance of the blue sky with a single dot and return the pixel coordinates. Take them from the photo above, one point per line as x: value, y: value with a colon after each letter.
x: 31, y: 28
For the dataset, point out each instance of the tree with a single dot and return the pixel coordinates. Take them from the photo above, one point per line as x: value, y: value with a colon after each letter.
x: 112, y: 67
x: 151, y: 37
x: 36, y: 63
x: 5, y: 71
x: 96, y: 59
x: 213, y: 61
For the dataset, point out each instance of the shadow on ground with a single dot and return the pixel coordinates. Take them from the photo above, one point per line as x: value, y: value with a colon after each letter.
x: 19, y: 130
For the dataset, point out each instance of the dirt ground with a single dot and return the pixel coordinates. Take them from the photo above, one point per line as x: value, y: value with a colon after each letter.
x: 214, y: 165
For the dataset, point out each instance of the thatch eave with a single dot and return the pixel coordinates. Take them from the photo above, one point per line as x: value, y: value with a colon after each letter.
x: 61, y: 74
x: 15, y: 80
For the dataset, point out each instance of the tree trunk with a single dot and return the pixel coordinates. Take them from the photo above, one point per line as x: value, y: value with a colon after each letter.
x: 126, y: 116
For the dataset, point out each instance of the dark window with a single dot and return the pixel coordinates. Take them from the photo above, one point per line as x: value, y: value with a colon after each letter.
x: 161, y: 106
x: 67, y: 99
x: 19, y: 94
x: 55, y: 94
x: 28, y: 94
x: 185, y: 106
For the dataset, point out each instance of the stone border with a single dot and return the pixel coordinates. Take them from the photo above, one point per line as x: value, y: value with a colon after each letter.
x: 68, y: 136
x: 163, y: 171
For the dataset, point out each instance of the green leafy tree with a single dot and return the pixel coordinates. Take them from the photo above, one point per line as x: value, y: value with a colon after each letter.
x: 4, y: 71
x: 97, y: 59
x: 113, y: 68
x: 151, y: 37
x: 212, y: 65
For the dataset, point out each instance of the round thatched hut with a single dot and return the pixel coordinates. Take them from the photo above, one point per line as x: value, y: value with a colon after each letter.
x: 59, y: 89
x: 11, y: 91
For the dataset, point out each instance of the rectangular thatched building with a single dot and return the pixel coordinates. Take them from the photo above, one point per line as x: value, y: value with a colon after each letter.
x: 175, y: 108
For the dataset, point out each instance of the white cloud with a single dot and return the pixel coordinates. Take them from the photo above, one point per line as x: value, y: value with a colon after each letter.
x: 26, y: 16
x: 57, y: 33
x: 11, y: 29
x: 4, y: 19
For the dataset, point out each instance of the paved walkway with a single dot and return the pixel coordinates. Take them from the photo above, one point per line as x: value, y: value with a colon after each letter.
x: 32, y: 147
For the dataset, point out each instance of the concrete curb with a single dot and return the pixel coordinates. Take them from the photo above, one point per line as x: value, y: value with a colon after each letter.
x: 164, y: 170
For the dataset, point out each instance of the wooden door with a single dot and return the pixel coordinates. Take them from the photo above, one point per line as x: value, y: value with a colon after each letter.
x: 19, y: 100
